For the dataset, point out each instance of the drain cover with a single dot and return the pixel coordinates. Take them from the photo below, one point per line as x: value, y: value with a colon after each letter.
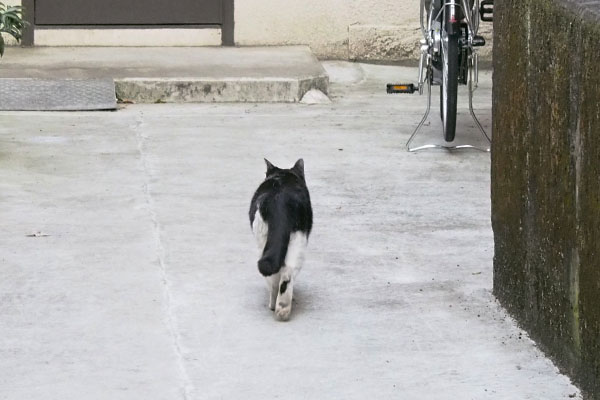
x: 25, y: 94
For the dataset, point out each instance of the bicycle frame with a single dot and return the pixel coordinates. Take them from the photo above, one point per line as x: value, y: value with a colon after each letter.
x: 453, y: 4
x: 471, y: 18
x: 454, y: 12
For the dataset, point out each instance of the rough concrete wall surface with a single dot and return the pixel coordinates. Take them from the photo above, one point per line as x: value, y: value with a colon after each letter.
x: 362, y: 30
x: 545, y: 176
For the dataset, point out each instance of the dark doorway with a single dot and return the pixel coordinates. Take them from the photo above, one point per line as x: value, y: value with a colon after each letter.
x: 129, y: 13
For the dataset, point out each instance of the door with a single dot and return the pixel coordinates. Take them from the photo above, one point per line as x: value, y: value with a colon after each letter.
x: 128, y: 12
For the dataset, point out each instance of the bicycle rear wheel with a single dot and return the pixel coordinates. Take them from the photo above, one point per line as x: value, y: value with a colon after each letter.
x: 449, y: 87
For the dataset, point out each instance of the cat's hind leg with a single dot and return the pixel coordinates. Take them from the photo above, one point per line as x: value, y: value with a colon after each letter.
x: 273, y: 285
x: 285, y: 293
x: 261, y: 231
x: 293, y: 262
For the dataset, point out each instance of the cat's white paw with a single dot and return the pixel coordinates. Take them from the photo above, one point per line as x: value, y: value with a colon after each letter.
x: 282, y: 313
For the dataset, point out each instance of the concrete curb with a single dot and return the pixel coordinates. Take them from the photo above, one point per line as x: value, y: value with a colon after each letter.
x: 218, y: 90
x: 179, y: 74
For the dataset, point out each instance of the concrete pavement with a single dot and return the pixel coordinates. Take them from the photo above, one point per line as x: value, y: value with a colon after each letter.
x: 146, y: 285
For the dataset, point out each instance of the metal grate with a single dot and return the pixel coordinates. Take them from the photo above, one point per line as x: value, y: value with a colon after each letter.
x: 25, y: 94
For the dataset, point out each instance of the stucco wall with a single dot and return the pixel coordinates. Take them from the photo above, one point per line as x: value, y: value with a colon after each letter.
x: 546, y: 177
x: 364, y: 30
x: 378, y: 30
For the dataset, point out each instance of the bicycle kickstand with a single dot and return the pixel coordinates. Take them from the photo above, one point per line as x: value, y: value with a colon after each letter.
x: 418, y: 128
x: 472, y: 71
x: 471, y: 88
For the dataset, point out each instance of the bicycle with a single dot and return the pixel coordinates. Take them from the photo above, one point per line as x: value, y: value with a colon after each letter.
x: 448, y: 58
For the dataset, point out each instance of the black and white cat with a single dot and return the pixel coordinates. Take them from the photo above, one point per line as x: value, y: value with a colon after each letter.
x: 281, y: 219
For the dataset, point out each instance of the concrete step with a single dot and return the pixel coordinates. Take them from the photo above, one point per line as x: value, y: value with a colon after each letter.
x: 178, y: 74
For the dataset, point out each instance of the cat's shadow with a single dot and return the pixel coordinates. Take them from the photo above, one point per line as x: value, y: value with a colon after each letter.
x: 300, y: 301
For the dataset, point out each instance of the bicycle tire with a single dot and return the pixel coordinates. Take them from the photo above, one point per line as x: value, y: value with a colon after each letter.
x: 449, y: 86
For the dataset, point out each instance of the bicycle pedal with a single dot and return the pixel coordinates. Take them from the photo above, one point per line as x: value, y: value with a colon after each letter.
x: 486, y: 10
x: 478, y: 41
x: 401, y: 88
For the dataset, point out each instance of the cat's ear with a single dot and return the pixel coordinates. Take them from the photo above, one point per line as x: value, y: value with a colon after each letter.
x: 270, y: 167
x: 299, y: 167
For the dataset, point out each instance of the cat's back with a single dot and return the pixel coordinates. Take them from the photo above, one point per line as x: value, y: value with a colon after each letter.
x: 283, y: 194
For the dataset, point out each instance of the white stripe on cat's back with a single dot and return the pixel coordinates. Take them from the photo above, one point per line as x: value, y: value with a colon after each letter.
x: 260, y: 229
x: 295, y: 252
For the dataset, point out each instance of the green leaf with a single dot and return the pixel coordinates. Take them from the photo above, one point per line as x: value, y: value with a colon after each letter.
x: 11, y: 21
x: 1, y: 46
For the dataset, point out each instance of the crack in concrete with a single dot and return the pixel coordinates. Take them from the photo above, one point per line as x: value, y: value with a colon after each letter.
x: 170, y: 318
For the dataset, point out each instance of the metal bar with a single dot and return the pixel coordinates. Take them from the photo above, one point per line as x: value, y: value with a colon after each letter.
x: 28, y: 16
x: 459, y: 147
x: 465, y: 7
x: 421, y: 12
x: 471, y: 110
x: 418, y: 128
x: 228, y: 23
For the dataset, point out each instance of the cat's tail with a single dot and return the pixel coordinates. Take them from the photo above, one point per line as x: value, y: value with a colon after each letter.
x: 275, y: 250
x: 266, y: 266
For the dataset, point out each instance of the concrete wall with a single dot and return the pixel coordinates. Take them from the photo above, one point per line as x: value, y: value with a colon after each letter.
x: 127, y: 37
x: 376, y: 30
x: 546, y: 177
